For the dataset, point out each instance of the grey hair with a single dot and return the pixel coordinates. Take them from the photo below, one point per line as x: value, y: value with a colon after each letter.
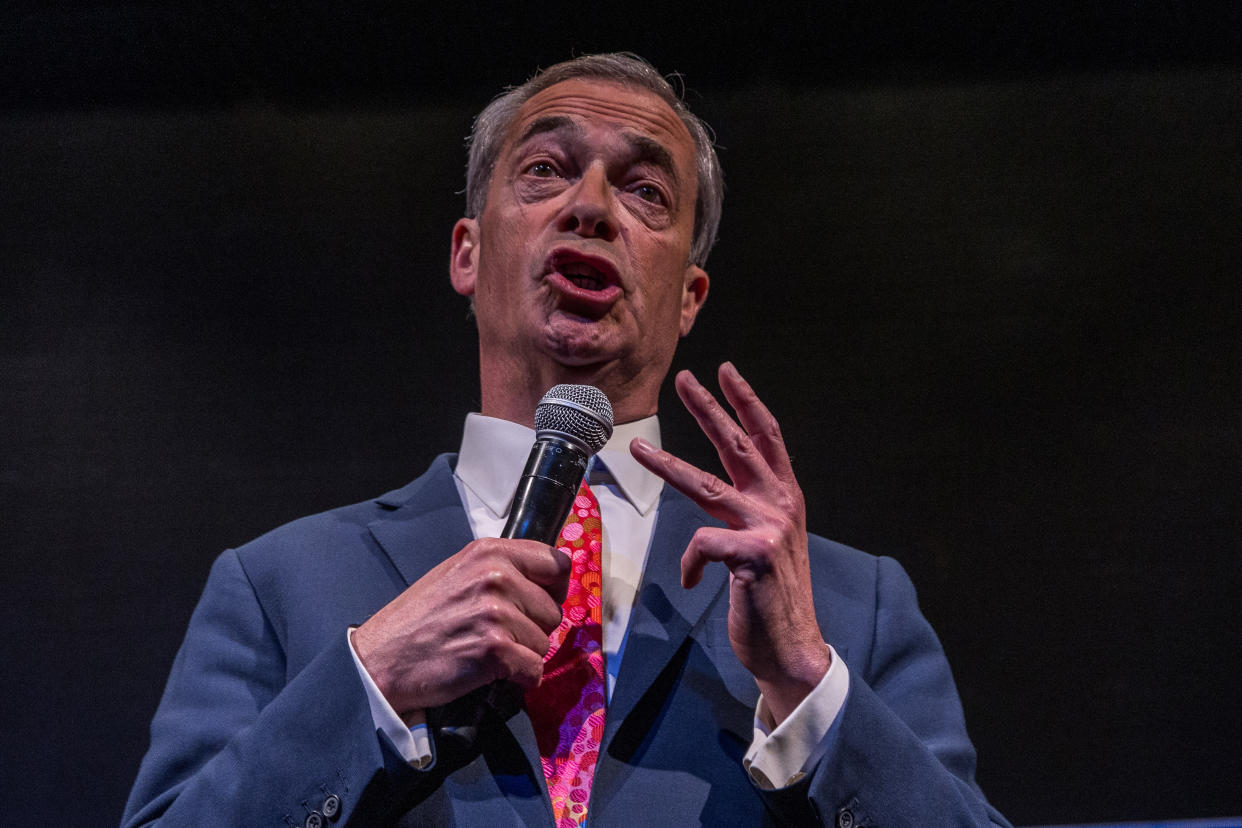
x: 493, y: 123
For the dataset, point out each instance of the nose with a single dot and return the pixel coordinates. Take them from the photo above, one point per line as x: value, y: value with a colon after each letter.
x: 589, y: 210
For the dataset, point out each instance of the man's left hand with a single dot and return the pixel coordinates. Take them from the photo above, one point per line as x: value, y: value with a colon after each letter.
x: 772, y: 624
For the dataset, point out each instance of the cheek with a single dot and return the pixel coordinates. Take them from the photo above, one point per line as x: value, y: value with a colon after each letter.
x: 505, y: 259
x: 660, y: 311
x: 667, y: 274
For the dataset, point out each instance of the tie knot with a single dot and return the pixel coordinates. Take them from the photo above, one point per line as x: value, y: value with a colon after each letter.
x: 599, y: 474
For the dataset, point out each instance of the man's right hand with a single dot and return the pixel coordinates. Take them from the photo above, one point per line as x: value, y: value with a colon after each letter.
x: 480, y: 616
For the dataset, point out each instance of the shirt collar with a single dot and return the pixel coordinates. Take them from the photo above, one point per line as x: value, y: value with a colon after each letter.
x: 493, y: 454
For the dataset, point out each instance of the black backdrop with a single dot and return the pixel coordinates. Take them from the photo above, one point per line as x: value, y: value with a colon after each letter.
x: 983, y: 268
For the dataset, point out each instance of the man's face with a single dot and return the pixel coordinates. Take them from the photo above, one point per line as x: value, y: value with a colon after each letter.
x: 578, y: 264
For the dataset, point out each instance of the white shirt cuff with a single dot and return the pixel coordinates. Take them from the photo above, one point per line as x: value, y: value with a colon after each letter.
x: 780, y: 756
x: 413, y: 742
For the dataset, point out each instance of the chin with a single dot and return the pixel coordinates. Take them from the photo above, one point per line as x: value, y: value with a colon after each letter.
x: 579, y: 345
x: 580, y: 360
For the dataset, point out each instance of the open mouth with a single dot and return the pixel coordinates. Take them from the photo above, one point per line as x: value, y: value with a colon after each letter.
x: 587, y: 285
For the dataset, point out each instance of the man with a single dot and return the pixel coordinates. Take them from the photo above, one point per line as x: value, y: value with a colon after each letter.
x: 754, y: 675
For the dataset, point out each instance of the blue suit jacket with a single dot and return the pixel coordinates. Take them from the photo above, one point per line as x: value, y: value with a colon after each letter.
x: 264, y: 718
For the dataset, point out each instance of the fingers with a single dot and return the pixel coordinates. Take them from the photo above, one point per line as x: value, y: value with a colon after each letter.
x: 504, y: 616
x: 503, y: 645
x: 521, y: 659
x: 535, y: 583
x: 753, y: 453
x: 535, y: 588
x: 749, y: 556
x: 525, y: 668
x: 717, y: 498
x: 543, y: 565
x: 703, y: 550
x: 744, y: 463
x: 762, y: 428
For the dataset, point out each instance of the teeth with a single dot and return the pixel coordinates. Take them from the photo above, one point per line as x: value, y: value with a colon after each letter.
x: 583, y: 275
x: 588, y: 282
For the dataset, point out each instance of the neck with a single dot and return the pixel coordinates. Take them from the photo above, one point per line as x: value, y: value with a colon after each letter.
x: 632, y: 398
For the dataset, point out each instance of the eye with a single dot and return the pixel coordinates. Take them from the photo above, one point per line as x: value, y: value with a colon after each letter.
x: 542, y: 169
x: 649, y: 193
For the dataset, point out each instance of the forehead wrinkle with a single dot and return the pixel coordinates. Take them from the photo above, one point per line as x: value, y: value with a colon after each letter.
x: 551, y: 123
x: 659, y: 118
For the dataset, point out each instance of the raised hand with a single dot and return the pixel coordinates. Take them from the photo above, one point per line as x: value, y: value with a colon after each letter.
x: 772, y: 624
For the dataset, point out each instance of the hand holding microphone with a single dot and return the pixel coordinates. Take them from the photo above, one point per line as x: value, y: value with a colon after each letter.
x: 481, y: 618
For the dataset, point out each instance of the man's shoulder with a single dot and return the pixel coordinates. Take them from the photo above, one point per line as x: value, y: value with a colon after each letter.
x: 845, y: 571
x: 829, y: 551
x: 340, y: 527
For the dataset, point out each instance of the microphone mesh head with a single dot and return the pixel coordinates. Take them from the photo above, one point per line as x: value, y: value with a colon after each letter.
x: 580, y: 413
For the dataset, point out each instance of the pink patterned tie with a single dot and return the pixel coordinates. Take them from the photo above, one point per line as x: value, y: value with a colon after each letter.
x: 567, y: 708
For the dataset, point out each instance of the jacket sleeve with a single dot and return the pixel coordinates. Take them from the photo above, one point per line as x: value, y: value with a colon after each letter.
x: 237, y: 742
x: 898, y: 753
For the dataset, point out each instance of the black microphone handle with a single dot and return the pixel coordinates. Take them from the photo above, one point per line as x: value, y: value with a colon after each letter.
x: 545, y: 493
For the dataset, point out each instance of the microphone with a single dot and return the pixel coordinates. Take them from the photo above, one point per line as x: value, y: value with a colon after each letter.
x: 572, y: 423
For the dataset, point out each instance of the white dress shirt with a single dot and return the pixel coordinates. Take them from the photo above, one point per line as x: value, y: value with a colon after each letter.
x: 493, y: 453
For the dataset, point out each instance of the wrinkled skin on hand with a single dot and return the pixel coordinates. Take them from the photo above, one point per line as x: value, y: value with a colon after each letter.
x: 772, y: 624
x: 482, y: 615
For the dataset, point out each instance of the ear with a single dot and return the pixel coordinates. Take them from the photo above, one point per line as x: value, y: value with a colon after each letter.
x: 694, y: 294
x: 464, y: 257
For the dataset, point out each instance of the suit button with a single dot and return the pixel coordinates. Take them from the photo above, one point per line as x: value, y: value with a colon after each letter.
x: 331, y: 806
x: 314, y: 820
x: 845, y: 818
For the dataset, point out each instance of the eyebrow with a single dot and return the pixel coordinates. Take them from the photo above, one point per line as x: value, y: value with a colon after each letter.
x: 642, y: 148
x: 651, y: 151
x: 550, y: 123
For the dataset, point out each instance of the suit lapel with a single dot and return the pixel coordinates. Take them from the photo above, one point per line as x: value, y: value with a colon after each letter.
x: 664, y: 613
x: 427, y: 524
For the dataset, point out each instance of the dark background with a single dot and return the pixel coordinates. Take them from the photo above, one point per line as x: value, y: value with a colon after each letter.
x: 981, y: 260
